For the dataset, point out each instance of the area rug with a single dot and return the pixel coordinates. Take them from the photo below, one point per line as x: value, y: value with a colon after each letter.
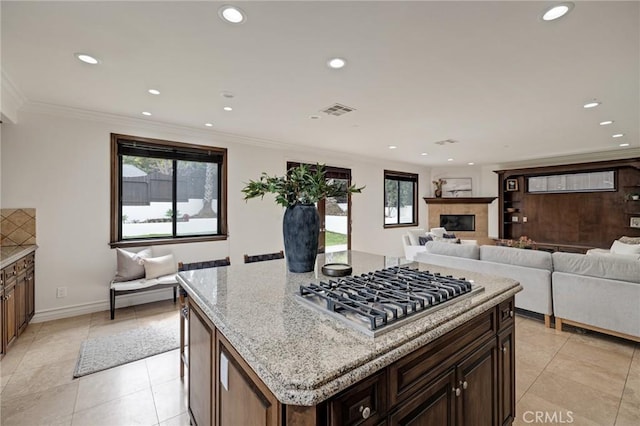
x: 106, y: 352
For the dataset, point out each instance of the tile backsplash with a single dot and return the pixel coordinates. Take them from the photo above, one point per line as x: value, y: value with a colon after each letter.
x: 17, y: 227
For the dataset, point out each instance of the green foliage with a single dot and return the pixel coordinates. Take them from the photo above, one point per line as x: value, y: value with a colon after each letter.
x: 334, y: 239
x: 169, y: 213
x: 301, y: 185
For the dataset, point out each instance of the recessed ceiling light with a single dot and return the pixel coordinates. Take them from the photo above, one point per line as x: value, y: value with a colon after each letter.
x: 231, y: 14
x: 618, y: 135
x: 604, y: 123
x: 592, y: 104
x: 147, y: 113
x: 392, y: 147
x: 87, y: 59
x: 154, y: 91
x: 424, y: 153
x: 226, y: 94
x: 471, y: 164
x: 208, y: 124
x: 336, y: 63
x: 624, y: 144
x: 557, y: 11
x: 227, y: 108
x: 449, y: 159
x: 314, y: 117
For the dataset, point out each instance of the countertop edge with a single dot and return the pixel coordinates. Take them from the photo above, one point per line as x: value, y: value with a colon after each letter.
x: 308, y: 397
x: 16, y: 256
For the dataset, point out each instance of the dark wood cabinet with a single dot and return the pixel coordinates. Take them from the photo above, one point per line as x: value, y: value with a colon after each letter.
x: 565, y: 220
x: 17, y: 299
x: 201, y: 368
x: 465, y: 377
x: 435, y: 405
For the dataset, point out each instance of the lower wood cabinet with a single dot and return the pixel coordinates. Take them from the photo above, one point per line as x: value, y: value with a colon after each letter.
x: 17, y: 299
x: 466, y: 377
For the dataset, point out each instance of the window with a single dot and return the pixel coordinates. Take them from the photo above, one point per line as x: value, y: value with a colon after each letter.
x: 400, y: 199
x: 166, y: 192
x: 573, y: 182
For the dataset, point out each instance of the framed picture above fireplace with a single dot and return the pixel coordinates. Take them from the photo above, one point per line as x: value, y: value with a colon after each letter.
x: 456, y: 187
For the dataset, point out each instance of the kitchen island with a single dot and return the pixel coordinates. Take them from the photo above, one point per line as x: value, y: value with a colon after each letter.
x: 257, y: 355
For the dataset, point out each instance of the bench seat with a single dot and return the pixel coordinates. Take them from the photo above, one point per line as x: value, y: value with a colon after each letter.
x: 140, y: 285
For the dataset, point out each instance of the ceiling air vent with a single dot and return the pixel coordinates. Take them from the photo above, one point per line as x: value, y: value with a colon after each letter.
x: 337, y: 110
x: 446, y: 141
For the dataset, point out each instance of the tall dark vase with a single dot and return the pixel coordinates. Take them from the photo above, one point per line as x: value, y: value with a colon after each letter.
x: 300, y: 227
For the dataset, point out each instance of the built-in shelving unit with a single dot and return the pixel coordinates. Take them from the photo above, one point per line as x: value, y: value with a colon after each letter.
x: 573, y: 219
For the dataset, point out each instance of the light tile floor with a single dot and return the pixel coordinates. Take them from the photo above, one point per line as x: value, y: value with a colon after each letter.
x: 561, y: 378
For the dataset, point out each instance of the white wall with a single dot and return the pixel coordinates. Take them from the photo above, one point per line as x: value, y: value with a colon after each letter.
x: 56, y: 160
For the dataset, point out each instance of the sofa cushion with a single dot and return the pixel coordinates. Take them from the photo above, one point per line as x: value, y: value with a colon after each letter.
x: 610, y: 267
x: 424, y: 240
x: 414, y: 234
x: 516, y: 256
x: 467, y: 251
x: 144, y: 283
x: 621, y: 248
x: 129, y: 266
x: 607, y: 253
x: 629, y: 240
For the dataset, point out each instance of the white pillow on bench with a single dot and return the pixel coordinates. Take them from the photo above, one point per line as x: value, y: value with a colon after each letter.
x: 158, y: 266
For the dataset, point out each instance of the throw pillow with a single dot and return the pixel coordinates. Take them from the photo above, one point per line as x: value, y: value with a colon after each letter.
x: 629, y: 240
x: 621, y: 248
x: 155, y: 267
x: 423, y: 240
x: 129, y: 267
x: 452, y: 235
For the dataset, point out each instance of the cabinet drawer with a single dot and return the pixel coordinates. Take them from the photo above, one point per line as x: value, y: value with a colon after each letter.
x: 416, y: 370
x: 362, y: 404
x: 1, y: 278
x: 29, y: 260
x: 506, y: 314
x: 10, y: 273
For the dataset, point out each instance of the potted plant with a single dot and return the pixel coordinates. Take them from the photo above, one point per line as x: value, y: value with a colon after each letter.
x: 298, y: 191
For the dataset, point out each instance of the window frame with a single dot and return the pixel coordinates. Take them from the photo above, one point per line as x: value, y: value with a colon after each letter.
x: 116, y: 207
x: 400, y: 177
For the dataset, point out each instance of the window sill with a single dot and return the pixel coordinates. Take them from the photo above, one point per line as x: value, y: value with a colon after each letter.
x: 163, y: 241
x: 400, y: 225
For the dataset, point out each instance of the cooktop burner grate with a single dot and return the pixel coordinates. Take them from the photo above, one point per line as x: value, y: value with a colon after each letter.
x: 373, y: 301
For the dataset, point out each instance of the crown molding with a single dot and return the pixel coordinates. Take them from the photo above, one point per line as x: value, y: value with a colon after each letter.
x: 587, y: 157
x: 12, y: 98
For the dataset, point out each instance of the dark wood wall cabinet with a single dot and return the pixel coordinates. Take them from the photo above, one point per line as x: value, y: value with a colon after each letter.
x: 566, y: 220
x: 466, y: 376
x: 17, y: 299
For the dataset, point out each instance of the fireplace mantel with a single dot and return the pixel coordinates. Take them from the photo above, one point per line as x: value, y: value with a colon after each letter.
x: 460, y: 200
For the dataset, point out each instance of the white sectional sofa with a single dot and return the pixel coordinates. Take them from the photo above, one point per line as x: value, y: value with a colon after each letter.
x: 601, y: 293
x: 411, y: 243
x: 531, y: 268
x: 597, y: 292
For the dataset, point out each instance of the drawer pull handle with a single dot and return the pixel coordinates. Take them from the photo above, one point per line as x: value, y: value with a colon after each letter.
x: 464, y: 384
x: 457, y: 391
x: 366, y: 412
x: 511, y: 313
x: 504, y: 349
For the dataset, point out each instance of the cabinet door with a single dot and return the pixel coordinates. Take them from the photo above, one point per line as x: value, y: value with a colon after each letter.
x: 477, y: 379
x: 242, y: 397
x: 10, y: 330
x: 201, y: 340
x: 433, y: 406
x: 21, y: 303
x: 30, y: 293
x: 506, y: 377
x: 2, y: 322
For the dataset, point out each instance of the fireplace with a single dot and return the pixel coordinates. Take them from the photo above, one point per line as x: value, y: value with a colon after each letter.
x: 458, y: 222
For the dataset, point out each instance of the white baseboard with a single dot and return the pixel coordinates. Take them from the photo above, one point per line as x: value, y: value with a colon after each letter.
x: 89, y: 308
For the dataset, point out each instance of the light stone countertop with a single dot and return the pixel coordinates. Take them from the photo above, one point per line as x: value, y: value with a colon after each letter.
x: 305, y: 356
x: 10, y: 254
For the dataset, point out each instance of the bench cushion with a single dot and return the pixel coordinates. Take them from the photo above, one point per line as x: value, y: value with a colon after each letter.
x: 144, y: 283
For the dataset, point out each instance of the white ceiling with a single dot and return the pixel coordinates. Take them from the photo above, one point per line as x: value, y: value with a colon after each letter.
x: 490, y: 75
